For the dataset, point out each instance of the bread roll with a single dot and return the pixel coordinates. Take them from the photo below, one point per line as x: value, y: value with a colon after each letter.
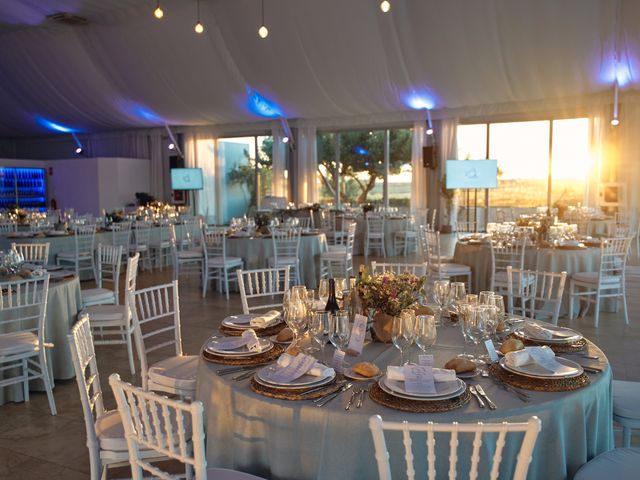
x: 511, y: 345
x: 366, y: 369
x: 293, y: 350
x: 285, y: 335
x: 460, y: 365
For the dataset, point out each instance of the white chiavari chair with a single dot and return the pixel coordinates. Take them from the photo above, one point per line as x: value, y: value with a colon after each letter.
x: 286, y: 251
x: 374, y: 234
x: 626, y: 408
x: 36, y: 253
x: 23, y: 307
x: 339, y: 262
x: 141, y: 243
x: 156, y: 323
x: 406, y: 239
x: 262, y: 289
x: 8, y: 227
x: 419, y: 269
x: 465, y: 228
x: 434, y: 218
x: 160, y: 244
x: 535, y: 295
x: 443, y: 270
x: 111, y: 324
x: 216, y: 262
x: 621, y: 463
x: 502, y: 256
x: 484, y: 462
x: 81, y: 258
x: 105, y: 433
x: 171, y: 428
x: 107, y: 273
x: 607, y: 282
x: 189, y: 261
x: 121, y: 237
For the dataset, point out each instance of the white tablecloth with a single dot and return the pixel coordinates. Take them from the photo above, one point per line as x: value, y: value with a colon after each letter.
x: 282, y: 439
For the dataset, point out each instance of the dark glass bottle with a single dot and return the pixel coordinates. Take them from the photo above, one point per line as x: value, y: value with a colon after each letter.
x: 332, y: 302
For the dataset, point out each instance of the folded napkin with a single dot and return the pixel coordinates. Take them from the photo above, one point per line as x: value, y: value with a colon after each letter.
x: 439, y: 374
x: 533, y: 330
x: 317, y: 369
x: 265, y: 319
x: 241, y: 233
x: 248, y: 339
x: 542, y: 356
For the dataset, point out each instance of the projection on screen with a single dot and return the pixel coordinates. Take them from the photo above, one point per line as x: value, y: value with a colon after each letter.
x: 186, y: 179
x: 472, y: 173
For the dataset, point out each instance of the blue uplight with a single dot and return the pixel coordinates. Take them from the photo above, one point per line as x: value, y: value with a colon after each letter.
x: 54, y: 126
x: 622, y: 71
x: 419, y: 100
x: 361, y: 151
x: 139, y: 111
x: 260, y: 105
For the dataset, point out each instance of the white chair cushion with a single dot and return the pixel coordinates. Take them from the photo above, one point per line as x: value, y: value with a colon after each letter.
x: 72, y: 255
x: 176, y: 372
x: 592, y: 278
x: 18, y: 342
x: 338, y: 248
x: 220, y: 261
x: 92, y: 296
x: 190, y: 254
x: 284, y: 260
x: 452, y: 269
x: 619, y: 464
x: 106, y: 313
x: 333, y: 255
x: 626, y: 399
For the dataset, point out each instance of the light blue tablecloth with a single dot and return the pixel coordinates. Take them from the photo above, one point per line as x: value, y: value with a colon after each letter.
x: 282, y: 439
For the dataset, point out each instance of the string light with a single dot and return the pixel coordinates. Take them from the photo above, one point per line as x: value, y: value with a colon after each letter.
x: 263, y: 31
x: 158, y: 12
x: 199, y: 28
x: 385, y: 6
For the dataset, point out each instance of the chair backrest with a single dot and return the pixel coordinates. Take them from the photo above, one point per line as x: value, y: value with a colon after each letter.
x: 108, y: 267
x: 419, y: 269
x: 507, y: 254
x: 267, y: 284
x: 215, y: 243
x: 8, y: 227
x: 286, y: 242
x: 23, y: 305
x: 466, y: 227
x: 156, y: 321
x: 142, y: 233
x: 169, y: 427
x: 350, y: 238
x: 192, y: 232
x: 613, y: 258
x: 375, y: 225
x: 477, y: 434
x: 84, y: 237
x: 37, y: 253
x: 432, y: 245
x: 434, y: 217
x: 131, y: 277
x: 121, y: 235
x: 535, y: 294
x: 85, y: 366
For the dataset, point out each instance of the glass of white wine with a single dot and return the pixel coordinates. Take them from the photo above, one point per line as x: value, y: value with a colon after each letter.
x: 403, y: 331
x: 426, y: 332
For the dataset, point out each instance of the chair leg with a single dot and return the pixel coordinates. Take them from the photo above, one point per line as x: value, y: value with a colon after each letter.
x: 624, y: 304
x: 597, y: 307
x: 226, y: 281
x: 571, y: 291
x: 48, y: 384
x: 25, y: 384
x: 132, y: 366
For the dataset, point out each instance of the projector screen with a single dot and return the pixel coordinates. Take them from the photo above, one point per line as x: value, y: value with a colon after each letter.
x: 472, y: 173
x: 186, y: 179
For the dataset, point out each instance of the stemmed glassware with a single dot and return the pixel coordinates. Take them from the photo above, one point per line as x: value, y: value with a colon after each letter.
x: 465, y: 308
x: 295, y: 311
x: 323, y: 291
x: 457, y: 295
x: 483, y: 298
x: 339, y: 330
x: 403, y: 331
x: 475, y: 324
x: 441, y: 290
x: 426, y: 332
x: 319, y: 329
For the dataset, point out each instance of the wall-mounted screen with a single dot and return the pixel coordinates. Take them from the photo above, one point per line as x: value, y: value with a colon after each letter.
x: 186, y: 179
x: 472, y: 173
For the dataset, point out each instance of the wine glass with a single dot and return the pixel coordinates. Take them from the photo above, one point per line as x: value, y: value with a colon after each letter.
x: 464, y: 314
x: 403, y: 331
x: 483, y: 298
x: 323, y: 291
x: 475, y: 325
x: 471, y: 299
x: 339, y: 329
x: 456, y: 296
x: 295, y: 316
x: 319, y: 329
x: 441, y: 290
x: 341, y: 286
x: 426, y: 332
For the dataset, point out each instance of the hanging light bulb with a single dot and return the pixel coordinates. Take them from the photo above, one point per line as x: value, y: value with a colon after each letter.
x: 199, y: 27
x: 263, y: 31
x: 158, y: 12
x: 172, y: 146
x: 385, y: 6
x: 79, y: 150
x: 285, y: 139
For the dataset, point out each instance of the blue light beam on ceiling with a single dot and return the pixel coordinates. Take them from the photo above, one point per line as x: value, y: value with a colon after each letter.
x: 419, y: 100
x: 262, y: 106
x: 55, y: 126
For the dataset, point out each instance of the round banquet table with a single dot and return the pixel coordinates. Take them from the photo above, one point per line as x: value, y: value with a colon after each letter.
x: 283, y: 439
x: 256, y: 251
x: 478, y: 257
x: 64, y: 301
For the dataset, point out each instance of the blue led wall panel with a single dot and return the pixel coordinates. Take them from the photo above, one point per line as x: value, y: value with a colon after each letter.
x: 23, y: 187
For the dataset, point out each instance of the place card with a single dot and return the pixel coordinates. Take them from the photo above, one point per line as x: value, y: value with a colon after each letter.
x: 300, y: 365
x: 418, y: 379
x: 337, y: 363
x: 358, y: 332
x: 248, y: 338
x: 491, y: 350
x: 546, y: 361
x: 425, y: 360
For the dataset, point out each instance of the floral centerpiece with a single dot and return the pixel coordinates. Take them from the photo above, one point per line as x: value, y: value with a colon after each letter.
x: 263, y: 220
x: 385, y: 296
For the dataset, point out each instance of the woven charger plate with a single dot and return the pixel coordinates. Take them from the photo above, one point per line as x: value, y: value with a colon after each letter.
x: 266, y: 357
x: 261, y: 332
x: 282, y: 394
x: 539, y: 384
x: 556, y: 347
x: 417, y: 406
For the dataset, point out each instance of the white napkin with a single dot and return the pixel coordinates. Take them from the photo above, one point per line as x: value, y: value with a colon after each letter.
x: 241, y: 233
x: 539, y: 332
x: 248, y: 339
x: 317, y: 370
x: 542, y: 356
x: 439, y: 374
x: 265, y: 319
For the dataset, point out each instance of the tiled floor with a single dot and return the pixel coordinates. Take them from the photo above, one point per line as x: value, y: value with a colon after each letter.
x: 35, y: 445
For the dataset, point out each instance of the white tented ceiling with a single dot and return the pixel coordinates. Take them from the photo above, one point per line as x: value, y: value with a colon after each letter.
x: 322, y: 58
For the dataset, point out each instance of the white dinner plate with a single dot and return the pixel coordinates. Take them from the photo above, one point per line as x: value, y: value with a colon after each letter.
x: 410, y: 396
x: 536, y: 371
x: 471, y: 374
x: 239, y: 352
x: 274, y: 339
x: 566, y: 335
x: 242, y: 321
x: 57, y: 275
x: 305, y: 381
x: 443, y: 389
x: 349, y: 373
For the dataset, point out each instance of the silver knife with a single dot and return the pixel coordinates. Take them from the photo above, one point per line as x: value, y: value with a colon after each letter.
x: 492, y: 405
x: 472, y: 389
x: 333, y: 388
x: 327, y: 399
x: 350, y: 402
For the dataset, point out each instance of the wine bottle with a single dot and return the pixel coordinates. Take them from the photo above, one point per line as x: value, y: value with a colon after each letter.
x: 332, y: 302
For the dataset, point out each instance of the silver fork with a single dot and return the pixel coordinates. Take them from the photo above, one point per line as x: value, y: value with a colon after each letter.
x: 474, y: 392
x: 363, y: 392
x: 354, y: 394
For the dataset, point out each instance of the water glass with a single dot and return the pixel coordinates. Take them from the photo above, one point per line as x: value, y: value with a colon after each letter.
x: 471, y: 299
x: 426, y: 331
x: 323, y: 291
x: 475, y: 325
x: 441, y: 290
x: 339, y: 330
x: 319, y: 329
x: 483, y: 298
x: 403, y: 331
x: 464, y: 314
x: 457, y: 294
